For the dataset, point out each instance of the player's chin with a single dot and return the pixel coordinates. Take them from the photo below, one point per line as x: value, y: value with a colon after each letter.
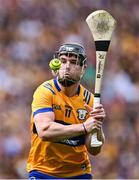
x: 93, y: 151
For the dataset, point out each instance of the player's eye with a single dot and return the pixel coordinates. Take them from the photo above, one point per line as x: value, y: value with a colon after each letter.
x: 63, y: 60
x: 73, y: 62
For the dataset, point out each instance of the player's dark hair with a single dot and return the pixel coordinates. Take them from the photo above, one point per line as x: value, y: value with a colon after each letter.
x: 72, y: 48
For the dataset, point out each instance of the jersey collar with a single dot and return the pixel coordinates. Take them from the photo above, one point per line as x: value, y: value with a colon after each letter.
x: 59, y: 89
x: 56, y: 84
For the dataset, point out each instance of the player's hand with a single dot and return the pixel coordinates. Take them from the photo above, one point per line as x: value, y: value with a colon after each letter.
x: 96, y: 112
x: 92, y: 124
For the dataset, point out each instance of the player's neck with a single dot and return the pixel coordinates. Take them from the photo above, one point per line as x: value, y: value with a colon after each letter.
x: 71, y: 90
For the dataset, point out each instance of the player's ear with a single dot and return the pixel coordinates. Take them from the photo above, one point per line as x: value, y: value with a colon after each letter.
x: 85, y: 66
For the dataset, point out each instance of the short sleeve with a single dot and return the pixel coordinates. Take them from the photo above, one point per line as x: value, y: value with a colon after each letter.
x: 42, y: 100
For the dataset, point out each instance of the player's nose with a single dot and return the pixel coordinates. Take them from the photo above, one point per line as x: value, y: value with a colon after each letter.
x: 67, y: 65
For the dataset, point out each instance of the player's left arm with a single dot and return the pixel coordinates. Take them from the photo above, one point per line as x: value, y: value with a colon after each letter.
x: 98, y: 113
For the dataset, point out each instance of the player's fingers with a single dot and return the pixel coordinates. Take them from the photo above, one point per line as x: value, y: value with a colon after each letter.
x: 99, y: 117
x: 98, y: 106
x: 98, y: 127
x: 96, y: 111
x: 97, y: 124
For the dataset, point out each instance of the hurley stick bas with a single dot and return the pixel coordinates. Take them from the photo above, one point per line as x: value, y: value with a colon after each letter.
x: 101, y: 25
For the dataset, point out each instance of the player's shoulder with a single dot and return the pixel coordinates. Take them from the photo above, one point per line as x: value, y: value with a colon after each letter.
x: 87, y: 95
x: 85, y: 91
x: 46, y: 87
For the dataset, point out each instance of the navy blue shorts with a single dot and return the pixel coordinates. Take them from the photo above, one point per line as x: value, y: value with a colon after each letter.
x: 34, y: 175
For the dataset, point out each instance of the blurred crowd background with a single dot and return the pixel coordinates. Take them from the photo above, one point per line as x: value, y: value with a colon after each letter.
x: 30, y: 32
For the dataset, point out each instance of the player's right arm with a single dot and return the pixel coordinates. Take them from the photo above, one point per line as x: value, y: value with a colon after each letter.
x: 44, y: 117
x: 50, y: 130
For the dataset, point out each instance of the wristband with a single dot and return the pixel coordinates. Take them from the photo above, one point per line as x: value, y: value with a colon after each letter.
x: 84, y: 128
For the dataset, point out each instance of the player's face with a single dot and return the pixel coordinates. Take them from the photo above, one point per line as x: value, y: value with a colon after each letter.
x: 70, y: 67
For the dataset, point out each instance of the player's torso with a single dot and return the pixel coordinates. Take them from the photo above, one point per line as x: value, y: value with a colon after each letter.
x: 69, y: 156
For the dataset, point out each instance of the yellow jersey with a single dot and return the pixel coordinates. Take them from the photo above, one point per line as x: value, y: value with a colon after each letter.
x: 68, y: 157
